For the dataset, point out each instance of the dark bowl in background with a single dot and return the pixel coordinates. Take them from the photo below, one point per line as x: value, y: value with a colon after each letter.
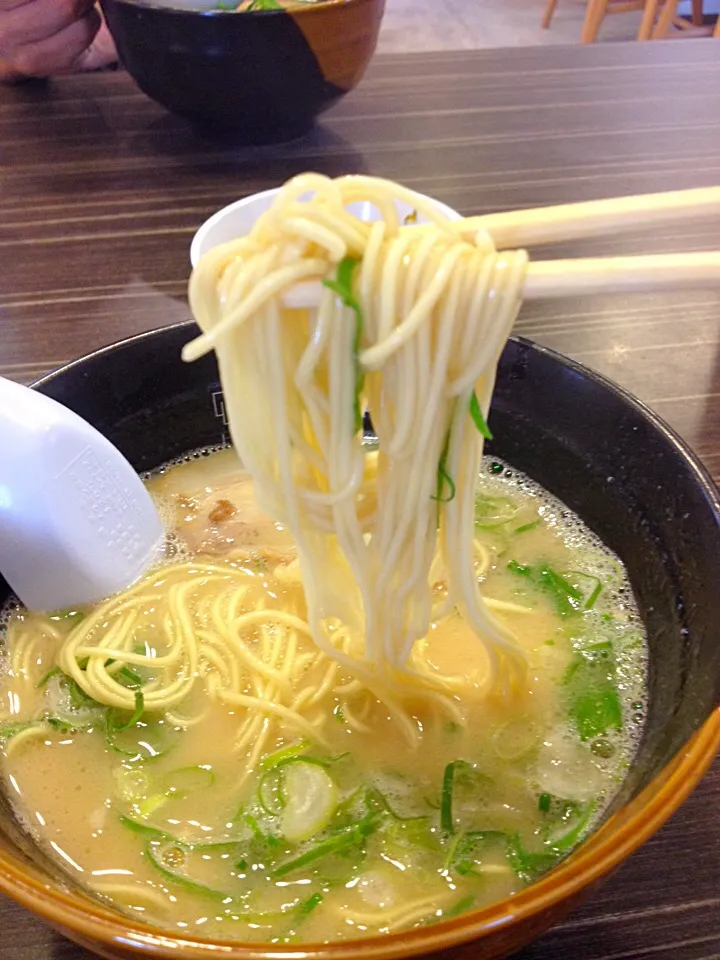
x: 262, y: 75
x: 592, y: 445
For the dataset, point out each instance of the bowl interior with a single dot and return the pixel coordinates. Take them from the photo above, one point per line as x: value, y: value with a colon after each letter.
x: 601, y: 452
x: 589, y: 443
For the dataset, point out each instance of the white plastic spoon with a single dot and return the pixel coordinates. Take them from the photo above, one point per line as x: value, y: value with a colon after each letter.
x: 76, y: 522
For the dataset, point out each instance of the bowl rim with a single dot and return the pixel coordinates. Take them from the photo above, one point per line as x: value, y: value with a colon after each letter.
x: 302, y: 8
x: 207, y: 226
x: 91, y: 922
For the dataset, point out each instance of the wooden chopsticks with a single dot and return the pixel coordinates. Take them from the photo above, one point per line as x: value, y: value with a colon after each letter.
x: 574, y: 221
x: 547, y: 279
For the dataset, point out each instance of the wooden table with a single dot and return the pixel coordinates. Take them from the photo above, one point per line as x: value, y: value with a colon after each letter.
x: 100, y: 192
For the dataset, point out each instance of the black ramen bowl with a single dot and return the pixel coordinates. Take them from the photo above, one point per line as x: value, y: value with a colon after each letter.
x: 264, y: 75
x: 590, y: 444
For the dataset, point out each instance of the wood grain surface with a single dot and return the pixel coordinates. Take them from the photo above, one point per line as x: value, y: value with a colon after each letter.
x: 101, y: 191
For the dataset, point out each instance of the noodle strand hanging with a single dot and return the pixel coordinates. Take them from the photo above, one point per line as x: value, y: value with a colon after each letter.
x: 410, y: 324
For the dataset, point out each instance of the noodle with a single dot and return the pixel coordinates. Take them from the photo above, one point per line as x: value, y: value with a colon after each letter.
x: 209, y: 624
x: 385, y: 540
x: 436, y: 312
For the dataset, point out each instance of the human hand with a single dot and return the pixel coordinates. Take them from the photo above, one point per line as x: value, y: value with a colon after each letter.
x: 41, y: 38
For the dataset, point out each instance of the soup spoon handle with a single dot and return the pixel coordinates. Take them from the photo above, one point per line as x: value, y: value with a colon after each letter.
x: 76, y: 522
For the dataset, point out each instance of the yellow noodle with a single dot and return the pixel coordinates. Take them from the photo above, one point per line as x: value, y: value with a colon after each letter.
x: 143, y: 893
x: 25, y: 736
x: 395, y: 919
x: 436, y: 313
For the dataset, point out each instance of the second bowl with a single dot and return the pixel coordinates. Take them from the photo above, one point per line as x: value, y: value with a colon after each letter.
x: 264, y: 74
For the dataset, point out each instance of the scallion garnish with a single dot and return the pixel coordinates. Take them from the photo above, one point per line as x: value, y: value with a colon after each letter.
x: 352, y: 836
x: 342, y: 286
x: 47, y: 677
x: 478, y: 418
x: 115, y: 726
x: 443, y: 477
x: 154, y: 852
x: 446, y: 796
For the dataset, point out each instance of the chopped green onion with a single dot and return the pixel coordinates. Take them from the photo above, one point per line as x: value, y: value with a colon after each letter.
x: 154, y: 852
x: 464, y: 852
x: 221, y: 843
x: 8, y: 730
x: 78, y: 698
x: 443, y: 477
x: 47, y: 677
x: 526, y: 527
x: 492, y: 512
x: 592, y: 694
x: 146, y: 829
x: 352, y: 836
x: 254, y: 826
x: 266, y: 839
x: 581, y: 814
x: 342, y: 286
x: 129, y: 677
x: 271, y: 794
x: 594, y: 587
x: 566, y: 597
x: 155, y: 833
x: 528, y: 866
x: 179, y: 783
x: 446, y: 796
x: 462, y: 906
x: 116, y: 726
x: 310, y: 799
x: 64, y: 726
x: 149, y: 805
x: 478, y: 418
x: 544, y: 802
x: 293, y: 750
x: 376, y: 799
x: 145, y: 738
x: 403, y: 835
x: 306, y: 907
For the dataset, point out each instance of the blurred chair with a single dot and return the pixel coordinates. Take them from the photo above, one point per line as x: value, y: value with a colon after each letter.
x: 654, y: 27
x: 656, y: 22
x: 657, y: 27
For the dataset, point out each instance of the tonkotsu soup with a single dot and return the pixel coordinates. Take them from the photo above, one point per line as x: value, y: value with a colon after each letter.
x: 242, y: 784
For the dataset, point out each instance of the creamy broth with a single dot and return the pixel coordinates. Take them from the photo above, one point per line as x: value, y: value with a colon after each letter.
x: 345, y: 828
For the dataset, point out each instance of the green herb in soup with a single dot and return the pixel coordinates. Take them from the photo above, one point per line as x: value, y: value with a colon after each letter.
x: 248, y: 6
x: 228, y: 779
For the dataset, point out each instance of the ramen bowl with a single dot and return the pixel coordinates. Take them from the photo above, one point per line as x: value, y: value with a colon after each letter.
x: 264, y: 75
x: 590, y: 444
